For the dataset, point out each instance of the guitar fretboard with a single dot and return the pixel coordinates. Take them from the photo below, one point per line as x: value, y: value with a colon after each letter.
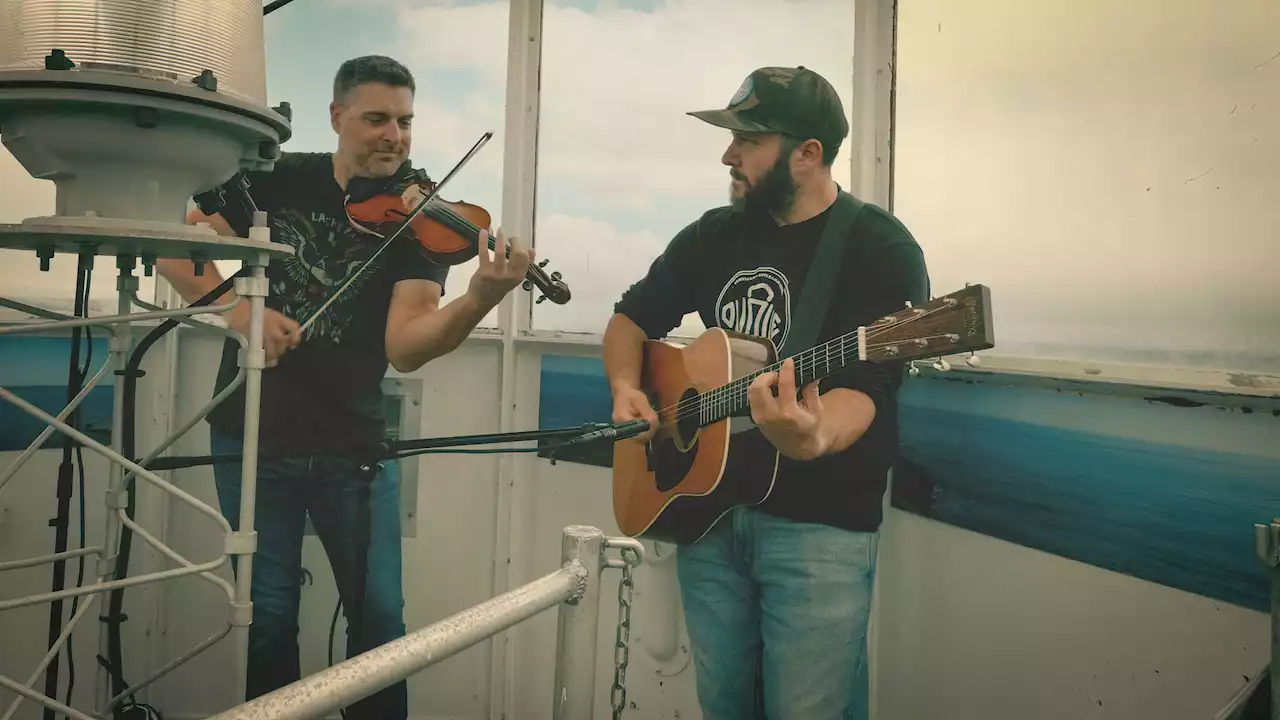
x: 813, y: 364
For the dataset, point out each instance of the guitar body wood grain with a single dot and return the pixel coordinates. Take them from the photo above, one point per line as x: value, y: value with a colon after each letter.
x: 670, y: 489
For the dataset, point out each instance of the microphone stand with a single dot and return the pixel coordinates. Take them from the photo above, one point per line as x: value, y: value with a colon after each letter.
x: 568, y: 436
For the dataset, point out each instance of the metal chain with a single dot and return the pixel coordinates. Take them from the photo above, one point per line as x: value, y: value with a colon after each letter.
x: 621, y: 649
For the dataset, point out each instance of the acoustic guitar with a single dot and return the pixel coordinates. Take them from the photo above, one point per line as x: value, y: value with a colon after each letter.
x: 707, y: 456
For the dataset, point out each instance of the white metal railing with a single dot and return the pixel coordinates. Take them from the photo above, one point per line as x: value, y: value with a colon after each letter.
x: 575, y: 588
x: 253, y: 289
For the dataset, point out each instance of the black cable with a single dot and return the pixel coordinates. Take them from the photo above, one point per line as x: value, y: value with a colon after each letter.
x: 274, y: 5
x: 66, y: 477
x: 75, y: 601
x: 128, y: 440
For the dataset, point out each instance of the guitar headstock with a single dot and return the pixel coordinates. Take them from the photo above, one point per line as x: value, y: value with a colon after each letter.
x: 955, y: 323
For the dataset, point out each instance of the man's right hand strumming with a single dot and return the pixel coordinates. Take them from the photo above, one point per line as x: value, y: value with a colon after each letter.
x: 632, y: 404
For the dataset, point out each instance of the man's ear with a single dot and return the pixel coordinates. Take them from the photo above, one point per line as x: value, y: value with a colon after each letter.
x: 335, y: 112
x: 811, y: 151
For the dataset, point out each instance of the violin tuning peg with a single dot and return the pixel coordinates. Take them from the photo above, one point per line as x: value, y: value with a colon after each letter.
x: 543, y: 262
x: 540, y: 299
x: 555, y: 275
x: 972, y: 360
x: 527, y: 285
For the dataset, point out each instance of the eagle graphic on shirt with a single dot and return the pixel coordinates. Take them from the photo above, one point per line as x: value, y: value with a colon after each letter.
x: 326, y: 254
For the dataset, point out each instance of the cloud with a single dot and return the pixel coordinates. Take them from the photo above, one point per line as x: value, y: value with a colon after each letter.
x: 602, y: 268
x: 621, y: 167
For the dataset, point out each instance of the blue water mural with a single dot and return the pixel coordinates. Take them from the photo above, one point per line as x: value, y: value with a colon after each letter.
x: 35, y: 369
x: 573, y: 392
x: 1162, y: 490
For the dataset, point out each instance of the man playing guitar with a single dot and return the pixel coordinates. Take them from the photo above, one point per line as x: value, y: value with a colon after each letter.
x: 777, y: 595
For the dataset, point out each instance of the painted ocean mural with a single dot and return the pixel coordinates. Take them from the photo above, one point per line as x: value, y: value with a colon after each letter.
x: 1164, y: 488
x: 35, y: 369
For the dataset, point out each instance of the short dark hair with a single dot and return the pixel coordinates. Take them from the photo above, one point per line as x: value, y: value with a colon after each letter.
x: 367, y: 69
x: 791, y: 142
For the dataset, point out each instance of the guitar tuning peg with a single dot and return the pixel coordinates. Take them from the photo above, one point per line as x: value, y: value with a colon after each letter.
x: 912, y: 370
x: 941, y: 365
x: 972, y: 360
x: 908, y: 303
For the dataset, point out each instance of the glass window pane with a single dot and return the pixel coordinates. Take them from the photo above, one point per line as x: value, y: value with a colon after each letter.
x: 621, y: 167
x: 1107, y: 167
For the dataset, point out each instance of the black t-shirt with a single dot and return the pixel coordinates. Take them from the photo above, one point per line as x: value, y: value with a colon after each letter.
x: 325, y: 394
x: 745, y: 273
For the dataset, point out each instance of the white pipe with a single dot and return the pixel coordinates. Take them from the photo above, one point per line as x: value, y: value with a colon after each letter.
x: 124, y: 318
x: 336, y: 687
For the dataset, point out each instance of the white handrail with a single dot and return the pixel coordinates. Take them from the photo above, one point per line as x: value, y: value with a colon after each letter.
x: 575, y: 587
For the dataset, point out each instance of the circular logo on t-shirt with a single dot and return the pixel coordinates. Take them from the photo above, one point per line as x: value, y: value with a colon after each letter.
x: 756, y: 302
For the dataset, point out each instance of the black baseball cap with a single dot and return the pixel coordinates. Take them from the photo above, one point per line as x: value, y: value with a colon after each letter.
x: 792, y: 100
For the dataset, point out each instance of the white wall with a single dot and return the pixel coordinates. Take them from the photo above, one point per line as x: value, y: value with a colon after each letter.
x: 967, y: 626
x: 975, y: 627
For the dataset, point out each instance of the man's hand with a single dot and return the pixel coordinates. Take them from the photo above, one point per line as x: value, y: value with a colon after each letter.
x: 498, y: 274
x: 632, y: 404
x: 279, y: 333
x: 794, y: 427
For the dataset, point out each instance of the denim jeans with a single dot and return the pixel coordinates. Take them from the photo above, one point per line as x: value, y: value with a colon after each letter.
x: 326, y: 488
x: 777, y: 617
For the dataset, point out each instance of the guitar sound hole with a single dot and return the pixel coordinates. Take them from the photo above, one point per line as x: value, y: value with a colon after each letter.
x: 687, y: 419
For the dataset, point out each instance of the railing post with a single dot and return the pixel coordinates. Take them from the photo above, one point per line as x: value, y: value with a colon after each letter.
x: 576, y: 636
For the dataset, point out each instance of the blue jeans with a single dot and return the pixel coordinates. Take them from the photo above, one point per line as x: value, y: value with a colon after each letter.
x: 326, y: 488
x: 777, y: 616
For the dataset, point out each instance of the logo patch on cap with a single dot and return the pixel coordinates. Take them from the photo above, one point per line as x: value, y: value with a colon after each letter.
x: 743, y: 92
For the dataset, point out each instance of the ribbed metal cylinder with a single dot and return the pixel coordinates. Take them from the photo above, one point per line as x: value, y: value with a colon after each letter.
x: 171, y: 39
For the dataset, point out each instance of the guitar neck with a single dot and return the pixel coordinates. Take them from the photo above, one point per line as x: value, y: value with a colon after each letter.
x: 810, y: 366
x: 957, y: 322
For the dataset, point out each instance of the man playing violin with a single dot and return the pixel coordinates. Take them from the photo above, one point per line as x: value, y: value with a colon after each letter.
x: 777, y: 596
x: 322, y: 402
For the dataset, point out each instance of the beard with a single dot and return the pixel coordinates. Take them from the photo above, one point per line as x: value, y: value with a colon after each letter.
x: 774, y: 192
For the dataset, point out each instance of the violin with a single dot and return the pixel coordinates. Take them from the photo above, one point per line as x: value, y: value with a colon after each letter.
x: 447, y: 232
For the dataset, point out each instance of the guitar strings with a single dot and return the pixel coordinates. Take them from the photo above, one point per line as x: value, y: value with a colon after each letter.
x: 729, y: 391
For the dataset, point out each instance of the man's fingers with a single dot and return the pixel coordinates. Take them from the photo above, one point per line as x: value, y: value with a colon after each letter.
x: 500, y: 252
x: 482, y: 251
x: 759, y: 394
x: 812, y: 401
x: 520, y: 255
x: 787, y: 384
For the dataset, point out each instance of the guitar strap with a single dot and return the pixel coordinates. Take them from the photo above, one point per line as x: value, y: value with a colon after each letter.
x: 815, y: 296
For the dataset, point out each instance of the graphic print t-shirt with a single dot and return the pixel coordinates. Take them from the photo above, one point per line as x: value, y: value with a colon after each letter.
x: 326, y: 393
x: 744, y: 272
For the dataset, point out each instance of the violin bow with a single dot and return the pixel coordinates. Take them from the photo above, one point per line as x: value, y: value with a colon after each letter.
x: 408, y: 219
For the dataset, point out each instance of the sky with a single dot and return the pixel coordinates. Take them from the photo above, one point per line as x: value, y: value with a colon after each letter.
x: 1103, y: 166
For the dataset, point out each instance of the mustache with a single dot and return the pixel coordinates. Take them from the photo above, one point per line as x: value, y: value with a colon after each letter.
x: 737, y: 176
